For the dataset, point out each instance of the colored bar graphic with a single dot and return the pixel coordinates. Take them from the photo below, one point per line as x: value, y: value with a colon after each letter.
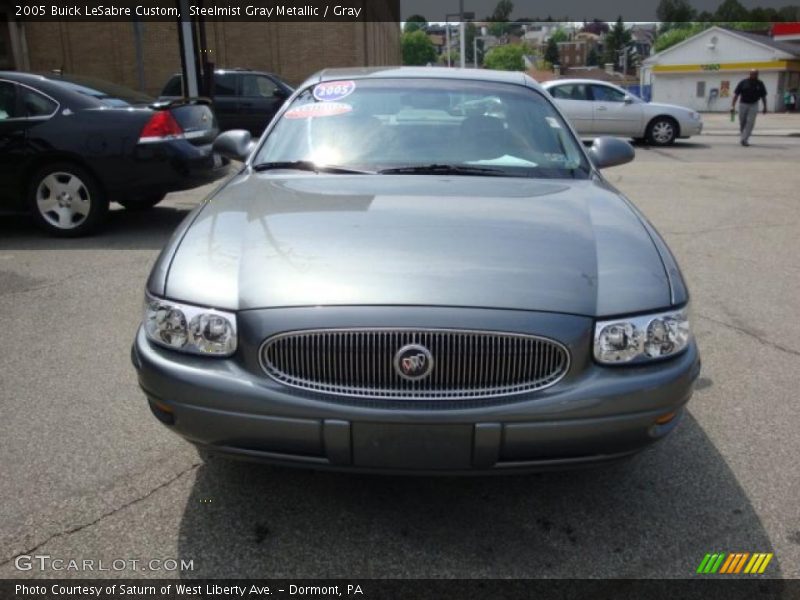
x: 718, y: 563
x: 741, y: 561
x: 754, y: 563
x: 727, y: 564
x: 702, y: 567
x: 765, y: 563
x: 733, y: 563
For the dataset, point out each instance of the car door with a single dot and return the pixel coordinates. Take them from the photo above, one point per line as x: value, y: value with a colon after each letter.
x: 260, y: 100
x: 226, y: 102
x: 13, y: 150
x: 575, y: 100
x: 615, y: 112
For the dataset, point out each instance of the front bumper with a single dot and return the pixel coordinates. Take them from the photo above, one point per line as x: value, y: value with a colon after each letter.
x: 691, y: 127
x: 594, y: 415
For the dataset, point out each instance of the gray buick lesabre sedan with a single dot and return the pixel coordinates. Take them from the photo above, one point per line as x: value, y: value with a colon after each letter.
x: 418, y: 270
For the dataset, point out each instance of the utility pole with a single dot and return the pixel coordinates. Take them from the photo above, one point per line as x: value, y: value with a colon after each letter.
x: 462, y: 30
x: 186, y: 39
x: 447, y: 38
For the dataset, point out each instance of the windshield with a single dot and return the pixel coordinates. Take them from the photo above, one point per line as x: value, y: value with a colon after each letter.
x: 388, y: 124
x: 110, y: 94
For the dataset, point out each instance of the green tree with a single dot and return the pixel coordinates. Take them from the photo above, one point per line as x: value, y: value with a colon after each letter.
x: 498, y: 20
x: 415, y: 23
x: 418, y: 49
x: 676, y: 36
x: 617, y: 41
x: 764, y: 15
x: 503, y: 10
x: 596, y: 27
x: 731, y: 11
x: 455, y: 58
x: 551, y: 54
x: 469, y: 39
x: 506, y: 58
x: 745, y: 25
x: 674, y: 13
x: 559, y: 35
x: 789, y: 13
x: 592, y: 58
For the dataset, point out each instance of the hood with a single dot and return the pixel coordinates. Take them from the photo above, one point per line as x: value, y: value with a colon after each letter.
x: 671, y: 107
x: 270, y: 240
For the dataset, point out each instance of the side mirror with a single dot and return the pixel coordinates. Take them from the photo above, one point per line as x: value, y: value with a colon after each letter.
x: 610, y: 152
x: 279, y: 93
x: 236, y: 144
x: 628, y: 99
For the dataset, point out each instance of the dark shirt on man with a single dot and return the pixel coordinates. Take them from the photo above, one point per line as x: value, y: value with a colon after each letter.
x: 751, y: 90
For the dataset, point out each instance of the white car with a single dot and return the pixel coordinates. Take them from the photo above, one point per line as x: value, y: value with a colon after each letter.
x: 598, y: 108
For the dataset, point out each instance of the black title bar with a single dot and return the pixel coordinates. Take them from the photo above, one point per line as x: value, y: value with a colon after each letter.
x: 706, y: 588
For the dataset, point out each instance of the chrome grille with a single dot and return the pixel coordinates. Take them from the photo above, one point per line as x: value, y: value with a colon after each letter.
x: 467, y: 364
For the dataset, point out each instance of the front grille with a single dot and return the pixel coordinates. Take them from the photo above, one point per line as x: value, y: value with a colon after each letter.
x: 466, y: 364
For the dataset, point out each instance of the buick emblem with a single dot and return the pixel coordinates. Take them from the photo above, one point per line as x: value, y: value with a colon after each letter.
x: 413, y: 362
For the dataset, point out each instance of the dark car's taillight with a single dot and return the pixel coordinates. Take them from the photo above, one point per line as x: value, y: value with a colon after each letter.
x: 161, y: 126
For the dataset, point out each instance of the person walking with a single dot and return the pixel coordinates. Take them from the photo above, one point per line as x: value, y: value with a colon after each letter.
x: 751, y: 91
x: 790, y: 100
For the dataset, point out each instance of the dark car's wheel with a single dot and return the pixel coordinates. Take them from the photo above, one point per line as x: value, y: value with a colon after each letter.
x: 142, y: 201
x: 662, y: 131
x: 66, y: 200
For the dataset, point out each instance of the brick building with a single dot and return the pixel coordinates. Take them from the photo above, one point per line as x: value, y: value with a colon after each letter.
x: 143, y: 55
x: 573, y: 53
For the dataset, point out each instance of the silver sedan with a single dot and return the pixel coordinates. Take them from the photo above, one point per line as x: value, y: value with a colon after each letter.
x: 418, y: 270
x: 599, y: 108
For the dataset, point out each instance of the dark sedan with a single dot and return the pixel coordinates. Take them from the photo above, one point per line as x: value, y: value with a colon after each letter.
x: 70, y: 145
x: 243, y: 99
x: 418, y: 270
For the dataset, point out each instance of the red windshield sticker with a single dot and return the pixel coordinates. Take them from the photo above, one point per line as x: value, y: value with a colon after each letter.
x: 320, y: 109
x: 331, y: 91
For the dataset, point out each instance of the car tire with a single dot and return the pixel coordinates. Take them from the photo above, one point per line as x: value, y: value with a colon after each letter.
x: 66, y: 200
x: 662, y: 131
x: 142, y: 202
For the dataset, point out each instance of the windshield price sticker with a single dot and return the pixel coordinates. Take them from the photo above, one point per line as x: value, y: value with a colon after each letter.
x: 331, y: 91
x: 321, y: 109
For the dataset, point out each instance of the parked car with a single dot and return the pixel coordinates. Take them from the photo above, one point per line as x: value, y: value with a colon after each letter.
x: 600, y: 108
x: 70, y: 145
x: 388, y: 286
x: 243, y: 99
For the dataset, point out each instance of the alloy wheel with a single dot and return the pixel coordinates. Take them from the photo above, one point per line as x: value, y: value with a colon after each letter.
x: 663, y: 132
x: 63, y: 200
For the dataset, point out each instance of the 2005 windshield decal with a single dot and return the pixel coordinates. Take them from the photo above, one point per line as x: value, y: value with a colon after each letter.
x: 331, y: 91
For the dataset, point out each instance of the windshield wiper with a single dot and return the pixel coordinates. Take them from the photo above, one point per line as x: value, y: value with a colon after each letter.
x: 306, y: 165
x: 437, y: 169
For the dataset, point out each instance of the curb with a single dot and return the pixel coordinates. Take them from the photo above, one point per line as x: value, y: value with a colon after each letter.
x: 755, y: 133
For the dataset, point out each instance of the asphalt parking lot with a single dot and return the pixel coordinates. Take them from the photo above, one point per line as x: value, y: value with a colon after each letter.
x: 87, y: 473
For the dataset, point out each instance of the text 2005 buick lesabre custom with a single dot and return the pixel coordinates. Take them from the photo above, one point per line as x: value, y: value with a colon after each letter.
x: 418, y: 270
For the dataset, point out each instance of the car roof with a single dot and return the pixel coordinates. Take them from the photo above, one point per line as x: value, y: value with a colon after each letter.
x: 24, y: 77
x: 52, y: 86
x: 552, y: 82
x: 221, y: 71
x: 488, y: 75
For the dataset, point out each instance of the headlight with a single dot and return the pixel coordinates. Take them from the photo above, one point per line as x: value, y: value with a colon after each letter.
x: 189, y: 328
x: 641, y: 339
x: 695, y: 116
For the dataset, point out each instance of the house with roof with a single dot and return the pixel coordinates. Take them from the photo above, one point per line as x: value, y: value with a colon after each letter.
x: 702, y: 71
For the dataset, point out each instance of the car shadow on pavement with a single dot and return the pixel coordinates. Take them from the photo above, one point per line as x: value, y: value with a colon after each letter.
x: 123, y: 230
x: 655, y: 515
x: 678, y: 145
